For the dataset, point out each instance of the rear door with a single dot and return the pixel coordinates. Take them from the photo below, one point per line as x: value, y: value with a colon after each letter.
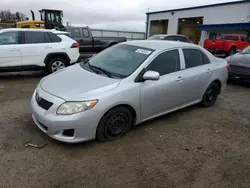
x: 35, y: 48
x: 10, y: 49
x: 197, y: 75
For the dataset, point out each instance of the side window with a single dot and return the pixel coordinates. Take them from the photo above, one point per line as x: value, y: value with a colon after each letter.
x: 46, y: 38
x: 54, y: 38
x: 166, y: 62
x: 243, y: 38
x: 194, y: 58
x: 34, y: 37
x: 85, y: 32
x: 9, y: 38
x: 75, y: 32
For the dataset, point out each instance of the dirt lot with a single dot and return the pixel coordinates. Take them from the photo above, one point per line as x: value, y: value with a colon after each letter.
x: 195, y: 147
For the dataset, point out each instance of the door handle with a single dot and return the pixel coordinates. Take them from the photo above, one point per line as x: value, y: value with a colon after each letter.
x: 179, y: 79
x: 209, y: 71
x: 48, y: 47
x: 15, y: 50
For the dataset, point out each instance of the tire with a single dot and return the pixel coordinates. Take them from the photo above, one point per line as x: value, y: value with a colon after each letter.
x: 56, y: 64
x: 210, y: 96
x: 232, y: 51
x: 114, y: 124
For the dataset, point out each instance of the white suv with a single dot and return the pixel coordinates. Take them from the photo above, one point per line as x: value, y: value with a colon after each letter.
x: 34, y: 49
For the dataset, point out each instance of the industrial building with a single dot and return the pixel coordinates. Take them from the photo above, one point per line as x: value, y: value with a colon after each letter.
x: 201, y: 22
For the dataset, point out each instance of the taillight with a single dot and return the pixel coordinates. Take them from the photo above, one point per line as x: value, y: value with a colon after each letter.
x: 75, y: 45
x: 228, y: 66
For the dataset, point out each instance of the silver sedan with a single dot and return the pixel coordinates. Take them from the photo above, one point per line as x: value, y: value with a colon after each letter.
x: 240, y: 65
x: 123, y: 86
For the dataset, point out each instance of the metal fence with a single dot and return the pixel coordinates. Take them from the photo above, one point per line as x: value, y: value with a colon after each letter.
x: 130, y: 35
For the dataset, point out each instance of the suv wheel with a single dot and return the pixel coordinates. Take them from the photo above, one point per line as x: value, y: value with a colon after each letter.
x: 56, y: 64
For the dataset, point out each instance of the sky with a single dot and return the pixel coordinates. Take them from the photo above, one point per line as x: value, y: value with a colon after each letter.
x: 127, y: 15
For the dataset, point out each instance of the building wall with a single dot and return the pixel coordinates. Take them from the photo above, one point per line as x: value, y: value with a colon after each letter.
x: 233, y: 13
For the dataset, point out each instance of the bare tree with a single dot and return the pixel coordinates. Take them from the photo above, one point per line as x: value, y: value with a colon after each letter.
x: 8, y: 16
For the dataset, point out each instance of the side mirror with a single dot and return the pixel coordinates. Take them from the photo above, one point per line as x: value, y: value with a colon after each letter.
x: 151, y: 75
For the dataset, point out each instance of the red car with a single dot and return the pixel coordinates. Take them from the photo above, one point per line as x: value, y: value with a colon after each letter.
x: 228, y: 44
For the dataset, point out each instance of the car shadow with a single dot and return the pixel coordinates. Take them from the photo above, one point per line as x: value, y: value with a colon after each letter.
x: 21, y: 75
x: 239, y: 83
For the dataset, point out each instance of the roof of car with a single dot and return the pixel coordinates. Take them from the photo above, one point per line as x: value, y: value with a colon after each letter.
x: 159, y: 44
x: 26, y: 29
x: 170, y: 35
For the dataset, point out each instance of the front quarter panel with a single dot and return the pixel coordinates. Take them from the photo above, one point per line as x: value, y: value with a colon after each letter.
x: 127, y: 93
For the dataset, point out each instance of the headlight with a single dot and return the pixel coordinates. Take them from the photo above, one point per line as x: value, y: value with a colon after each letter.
x: 69, y: 108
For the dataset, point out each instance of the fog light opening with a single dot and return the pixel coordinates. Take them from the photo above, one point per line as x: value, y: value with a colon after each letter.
x: 68, y: 132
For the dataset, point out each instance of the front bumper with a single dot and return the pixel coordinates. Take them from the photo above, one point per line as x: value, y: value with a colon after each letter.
x: 239, y: 76
x: 84, y: 124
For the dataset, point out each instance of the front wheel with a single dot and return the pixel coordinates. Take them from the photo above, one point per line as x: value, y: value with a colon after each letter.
x: 210, y: 95
x: 56, y: 64
x: 114, y: 124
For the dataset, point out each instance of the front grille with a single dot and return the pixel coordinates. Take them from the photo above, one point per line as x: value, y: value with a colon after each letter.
x: 239, y: 69
x: 43, y: 103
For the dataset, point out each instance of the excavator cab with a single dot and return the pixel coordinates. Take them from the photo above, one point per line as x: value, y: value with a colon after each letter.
x: 52, y: 19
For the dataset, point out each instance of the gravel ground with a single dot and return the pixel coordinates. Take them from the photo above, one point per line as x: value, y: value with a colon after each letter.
x: 194, y: 147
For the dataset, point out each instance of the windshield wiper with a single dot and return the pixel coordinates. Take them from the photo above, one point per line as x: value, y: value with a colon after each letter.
x: 102, y: 70
x: 94, y: 68
x: 86, y: 62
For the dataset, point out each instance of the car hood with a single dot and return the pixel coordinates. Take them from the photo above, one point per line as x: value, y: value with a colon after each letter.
x: 240, y: 60
x: 76, y: 83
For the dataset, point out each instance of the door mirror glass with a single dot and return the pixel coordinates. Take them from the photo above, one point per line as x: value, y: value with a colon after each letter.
x: 151, y: 75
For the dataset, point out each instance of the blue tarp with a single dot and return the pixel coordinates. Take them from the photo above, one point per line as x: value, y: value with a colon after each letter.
x: 229, y: 26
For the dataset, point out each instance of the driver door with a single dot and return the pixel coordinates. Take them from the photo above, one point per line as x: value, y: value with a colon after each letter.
x: 162, y: 95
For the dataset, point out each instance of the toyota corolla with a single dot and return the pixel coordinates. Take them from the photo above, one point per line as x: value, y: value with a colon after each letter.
x: 124, y: 85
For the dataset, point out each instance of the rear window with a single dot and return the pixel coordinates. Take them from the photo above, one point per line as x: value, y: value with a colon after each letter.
x: 54, y: 38
x: 176, y: 38
x: 229, y: 37
x: 157, y: 37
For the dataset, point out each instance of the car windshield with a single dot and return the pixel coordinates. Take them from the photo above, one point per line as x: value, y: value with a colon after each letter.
x: 120, y: 60
x: 246, y: 50
x: 157, y: 37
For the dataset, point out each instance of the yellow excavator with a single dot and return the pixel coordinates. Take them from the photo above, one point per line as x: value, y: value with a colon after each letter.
x: 50, y: 19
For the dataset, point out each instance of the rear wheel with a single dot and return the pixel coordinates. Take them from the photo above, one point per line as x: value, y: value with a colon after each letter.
x: 114, y: 124
x: 210, y: 95
x: 56, y: 64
